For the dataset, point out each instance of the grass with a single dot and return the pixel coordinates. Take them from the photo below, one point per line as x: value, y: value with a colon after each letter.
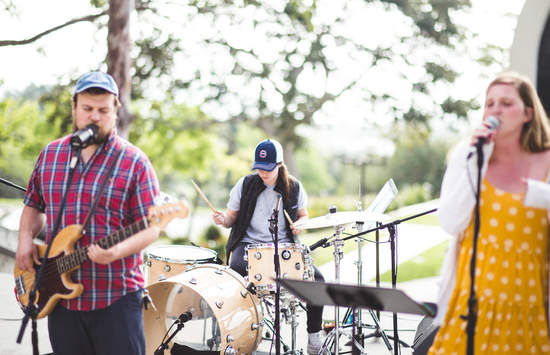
x: 426, y: 264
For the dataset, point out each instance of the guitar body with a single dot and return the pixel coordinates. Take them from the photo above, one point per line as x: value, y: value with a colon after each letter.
x: 63, y: 259
x: 53, y: 284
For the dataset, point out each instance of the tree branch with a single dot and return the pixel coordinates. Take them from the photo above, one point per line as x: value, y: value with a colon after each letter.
x: 89, y: 18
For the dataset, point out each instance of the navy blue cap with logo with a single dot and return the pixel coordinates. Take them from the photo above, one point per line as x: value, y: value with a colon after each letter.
x: 267, y: 155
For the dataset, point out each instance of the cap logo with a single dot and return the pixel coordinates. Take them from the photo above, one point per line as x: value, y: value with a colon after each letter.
x: 263, y: 153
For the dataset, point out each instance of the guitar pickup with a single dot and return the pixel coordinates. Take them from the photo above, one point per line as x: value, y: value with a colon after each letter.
x: 20, y: 285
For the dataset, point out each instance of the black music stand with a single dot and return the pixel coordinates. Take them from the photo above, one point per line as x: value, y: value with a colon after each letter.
x: 375, y: 298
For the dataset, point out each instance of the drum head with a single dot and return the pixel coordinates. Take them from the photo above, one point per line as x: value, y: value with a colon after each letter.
x: 225, y: 315
x: 183, y: 254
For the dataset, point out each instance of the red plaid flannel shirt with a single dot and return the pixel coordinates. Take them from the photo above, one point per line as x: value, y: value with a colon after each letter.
x: 130, y: 192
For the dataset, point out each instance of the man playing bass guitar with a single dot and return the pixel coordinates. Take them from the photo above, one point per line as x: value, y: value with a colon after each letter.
x: 106, y: 318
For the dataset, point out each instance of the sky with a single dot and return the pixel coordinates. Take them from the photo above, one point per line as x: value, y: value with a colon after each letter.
x: 69, y: 52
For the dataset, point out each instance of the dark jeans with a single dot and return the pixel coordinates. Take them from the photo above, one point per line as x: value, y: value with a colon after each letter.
x: 314, y: 313
x: 115, y: 330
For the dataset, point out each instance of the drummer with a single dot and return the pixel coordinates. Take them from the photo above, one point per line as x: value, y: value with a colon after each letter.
x: 256, y: 195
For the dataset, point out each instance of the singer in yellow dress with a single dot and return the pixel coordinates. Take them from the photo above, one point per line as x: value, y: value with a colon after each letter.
x: 511, y: 275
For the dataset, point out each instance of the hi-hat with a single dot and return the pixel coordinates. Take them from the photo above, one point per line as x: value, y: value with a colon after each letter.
x: 341, y: 218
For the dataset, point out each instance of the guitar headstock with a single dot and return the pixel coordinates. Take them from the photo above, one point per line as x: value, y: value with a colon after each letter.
x: 162, y: 215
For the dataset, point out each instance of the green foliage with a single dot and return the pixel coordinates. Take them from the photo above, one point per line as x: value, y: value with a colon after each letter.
x: 412, y: 194
x: 314, y: 173
x: 24, y: 131
x: 417, y: 159
x: 172, y: 137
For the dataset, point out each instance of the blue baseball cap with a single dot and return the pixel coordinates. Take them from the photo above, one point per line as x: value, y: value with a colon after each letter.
x: 268, y: 154
x: 96, y: 79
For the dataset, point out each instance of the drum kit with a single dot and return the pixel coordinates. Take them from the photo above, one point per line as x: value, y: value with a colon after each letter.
x: 226, y: 313
x: 229, y: 313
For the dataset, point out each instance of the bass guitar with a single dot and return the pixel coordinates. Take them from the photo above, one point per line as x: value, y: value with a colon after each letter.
x: 63, y: 259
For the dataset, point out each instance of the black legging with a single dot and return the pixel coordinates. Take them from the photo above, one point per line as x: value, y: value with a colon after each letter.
x: 314, y: 313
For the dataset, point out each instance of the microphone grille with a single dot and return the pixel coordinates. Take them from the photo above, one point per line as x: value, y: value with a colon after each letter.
x: 493, y: 122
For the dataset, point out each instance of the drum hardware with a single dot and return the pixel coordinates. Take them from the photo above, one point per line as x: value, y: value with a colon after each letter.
x: 184, y: 317
x: 392, y: 229
x: 289, y: 310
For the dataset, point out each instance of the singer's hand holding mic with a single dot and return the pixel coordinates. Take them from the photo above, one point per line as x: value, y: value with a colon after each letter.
x: 485, y: 132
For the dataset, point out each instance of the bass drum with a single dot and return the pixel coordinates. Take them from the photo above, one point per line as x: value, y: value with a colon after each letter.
x: 226, y: 317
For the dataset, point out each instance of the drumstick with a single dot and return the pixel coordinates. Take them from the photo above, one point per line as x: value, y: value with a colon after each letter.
x: 203, y: 196
x: 288, y: 219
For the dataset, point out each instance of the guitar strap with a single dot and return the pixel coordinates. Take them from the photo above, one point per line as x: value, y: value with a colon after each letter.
x: 101, y: 189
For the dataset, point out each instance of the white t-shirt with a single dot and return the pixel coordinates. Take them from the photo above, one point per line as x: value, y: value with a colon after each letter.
x: 258, y: 230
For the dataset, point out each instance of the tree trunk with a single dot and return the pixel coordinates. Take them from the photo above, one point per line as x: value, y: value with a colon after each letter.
x: 118, y: 58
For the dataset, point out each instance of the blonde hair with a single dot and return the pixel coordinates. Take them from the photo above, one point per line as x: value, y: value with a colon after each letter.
x: 535, y: 134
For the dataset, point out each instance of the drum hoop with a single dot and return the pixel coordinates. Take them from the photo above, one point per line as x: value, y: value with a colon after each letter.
x: 272, y: 245
x: 181, y: 261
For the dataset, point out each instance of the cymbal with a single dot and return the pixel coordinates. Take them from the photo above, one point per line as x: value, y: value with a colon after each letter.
x: 341, y: 218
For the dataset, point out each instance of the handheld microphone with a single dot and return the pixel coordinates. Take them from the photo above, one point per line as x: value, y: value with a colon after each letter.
x: 185, y: 317
x: 84, y: 137
x: 494, y: 123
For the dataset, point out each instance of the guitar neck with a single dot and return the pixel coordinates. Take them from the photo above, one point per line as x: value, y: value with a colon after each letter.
x: 79, y: 256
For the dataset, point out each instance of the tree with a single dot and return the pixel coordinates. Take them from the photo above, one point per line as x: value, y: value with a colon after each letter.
x: 276, y: 64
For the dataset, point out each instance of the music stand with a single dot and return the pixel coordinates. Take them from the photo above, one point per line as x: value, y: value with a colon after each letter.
x: 375, y: 298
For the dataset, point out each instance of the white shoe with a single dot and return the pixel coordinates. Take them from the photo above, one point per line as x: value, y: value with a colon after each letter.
x: 314, y: 343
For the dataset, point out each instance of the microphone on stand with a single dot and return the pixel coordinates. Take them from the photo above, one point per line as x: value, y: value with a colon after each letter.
x: 494, y: 123
x: 84, y: 137
x: 185, y: 317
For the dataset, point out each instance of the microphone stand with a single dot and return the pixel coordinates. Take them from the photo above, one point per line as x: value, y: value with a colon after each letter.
x: 393, y: 234
x: 471, y: 317
x: 164, y: 344
x: 11, y: 184
x: 31, y: 311
x: 274, y: 229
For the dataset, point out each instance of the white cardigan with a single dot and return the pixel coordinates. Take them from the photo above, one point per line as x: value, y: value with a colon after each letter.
x: 456, y: 204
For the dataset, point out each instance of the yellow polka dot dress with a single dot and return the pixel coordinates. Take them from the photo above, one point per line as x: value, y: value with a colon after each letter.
x: 511, y: 281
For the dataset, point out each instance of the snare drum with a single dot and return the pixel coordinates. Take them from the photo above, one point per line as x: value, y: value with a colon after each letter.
x: 164, y: 261
x: 295, y: 261
x: 226, y: 317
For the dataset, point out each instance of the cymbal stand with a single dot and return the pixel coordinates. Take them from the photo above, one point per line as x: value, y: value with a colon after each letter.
x: 337, y: 243
x: 357, y: 318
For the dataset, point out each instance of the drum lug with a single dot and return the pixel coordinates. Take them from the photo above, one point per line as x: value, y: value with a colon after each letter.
x: 230, y: 351
x: 219, y: 304
x: 148, y: 263
x: 255, y: 326
x: 298, y: 266
x: 219, y: 271
x: 285, y: 255
x: 244, y: 293
x: 258, y: 255
x: 230, y: 338
x: 193, y: 281
x: 258, y: 277
x: 167, y: 268
x: 245, y: 257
